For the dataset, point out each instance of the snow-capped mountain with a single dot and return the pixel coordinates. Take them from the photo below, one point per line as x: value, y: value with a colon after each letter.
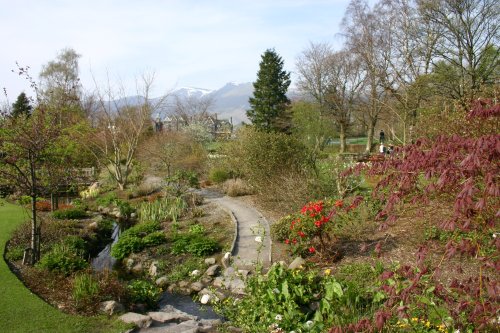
x: 230, y: 101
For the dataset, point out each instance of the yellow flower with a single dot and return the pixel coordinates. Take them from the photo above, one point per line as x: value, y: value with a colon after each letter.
x: 328, y: 271
x: 427, y: 324
x: 415, y: 319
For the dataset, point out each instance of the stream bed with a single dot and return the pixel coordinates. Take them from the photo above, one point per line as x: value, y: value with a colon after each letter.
x: 104, y: 261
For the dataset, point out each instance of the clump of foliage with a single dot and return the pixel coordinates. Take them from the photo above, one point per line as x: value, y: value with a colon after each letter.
x: 138, y: 237
x: 462, y: 172
x: 66, y: 256
x: 162, y: 209
x: 194, y: 243
x: 286, y: 300
x: 183, y: 270
x: 315, y: 229
x: 70, y: 214
x: 85, y: 290
x: 106, y: 199
x: 144, y: 292
x: 218, y: 175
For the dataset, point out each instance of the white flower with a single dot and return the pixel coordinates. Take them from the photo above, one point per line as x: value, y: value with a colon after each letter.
x: 276, y: 291
x: 195, y: 272
x: 278, y: 317
x: 495, y: 234
x: 258, y: 239
x: 309, y: 323
x: 292, y: 332
x: 204, y: 299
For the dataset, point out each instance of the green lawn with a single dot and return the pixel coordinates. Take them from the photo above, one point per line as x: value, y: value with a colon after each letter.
x: 23, y: 312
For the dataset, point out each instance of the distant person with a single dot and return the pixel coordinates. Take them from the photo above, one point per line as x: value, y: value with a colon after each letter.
x: 382, y: 136
x: 390, y: 150
x: 382, y: 148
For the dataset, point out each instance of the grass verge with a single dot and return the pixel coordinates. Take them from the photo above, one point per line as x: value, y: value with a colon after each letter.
x: 22, y: 311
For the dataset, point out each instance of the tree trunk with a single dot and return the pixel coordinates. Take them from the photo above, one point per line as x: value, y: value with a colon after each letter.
x: 342, y: 138
x: 35, y: 230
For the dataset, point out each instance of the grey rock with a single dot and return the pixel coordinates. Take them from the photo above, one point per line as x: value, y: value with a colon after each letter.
x: 93, y: 225
x: 210, y: 261
x: 243, y: 273
x: 206, y: 280
x: 197, y: 286
x: 161, y: 281
x: 166, y: 317
x: 137, y: 319
x: 226, y: 260
x: 212, y: 270
x: 229, y: 271
x: 137, y: 268
x: 218, y: 282
x: 153, y: 269
x: 183, y: 284
x: 111, y: 307
x: 296, y: 263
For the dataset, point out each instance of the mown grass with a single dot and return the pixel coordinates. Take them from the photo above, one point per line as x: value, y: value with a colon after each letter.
x: 22, y: 311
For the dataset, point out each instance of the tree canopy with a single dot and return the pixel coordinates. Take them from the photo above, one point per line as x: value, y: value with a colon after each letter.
x: 269, y: 104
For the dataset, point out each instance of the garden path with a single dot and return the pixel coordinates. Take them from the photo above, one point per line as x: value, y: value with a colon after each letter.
x: 253, y: 241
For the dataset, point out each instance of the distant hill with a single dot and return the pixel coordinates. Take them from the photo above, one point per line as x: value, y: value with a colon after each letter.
x: 229, y: 101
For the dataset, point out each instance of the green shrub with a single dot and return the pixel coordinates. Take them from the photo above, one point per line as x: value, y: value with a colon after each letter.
x: 196, y: 229
x: 126, y: 245
x: 85, y: 290
x: 155, y: 238
x: 280, y: 230
x: 69, y: 214
x: 144, y: 292
x: 195, y: 244
x: 125, y: 208
x: 218, y: 175
x: 64, y: 259
x: 15, y: 253
x: 106, y: 199
x: 136, y: 238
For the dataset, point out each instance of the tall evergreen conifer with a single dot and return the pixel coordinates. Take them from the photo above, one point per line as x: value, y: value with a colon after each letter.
x: 22, y: 106
x: 269, y: 106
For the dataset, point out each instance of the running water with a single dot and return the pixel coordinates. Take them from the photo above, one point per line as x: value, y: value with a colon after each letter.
x: 104, y: 260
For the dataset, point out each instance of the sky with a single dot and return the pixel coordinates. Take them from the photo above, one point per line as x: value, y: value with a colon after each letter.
x: 204, y: 43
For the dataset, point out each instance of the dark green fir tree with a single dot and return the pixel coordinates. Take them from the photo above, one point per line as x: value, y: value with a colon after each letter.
x: 22, y: 106
x: 269, y: 106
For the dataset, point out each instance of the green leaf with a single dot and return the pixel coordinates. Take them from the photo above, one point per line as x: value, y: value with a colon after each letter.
x: 379, y: 296
x: 284, y: 289
x: 333, y: 288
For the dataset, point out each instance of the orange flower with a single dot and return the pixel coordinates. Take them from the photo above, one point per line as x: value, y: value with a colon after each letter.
x: 312, y: 249
x: 339, y: 203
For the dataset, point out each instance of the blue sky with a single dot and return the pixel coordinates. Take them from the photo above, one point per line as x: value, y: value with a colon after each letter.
x: 185, y: 43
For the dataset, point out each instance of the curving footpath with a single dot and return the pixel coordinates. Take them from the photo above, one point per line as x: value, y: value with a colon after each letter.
x: 253, y: 242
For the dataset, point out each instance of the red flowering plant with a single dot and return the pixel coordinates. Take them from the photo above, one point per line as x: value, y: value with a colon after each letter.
x: 313, y: 230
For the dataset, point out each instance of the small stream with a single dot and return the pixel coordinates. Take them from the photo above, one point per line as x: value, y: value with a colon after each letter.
x: 104, y: 260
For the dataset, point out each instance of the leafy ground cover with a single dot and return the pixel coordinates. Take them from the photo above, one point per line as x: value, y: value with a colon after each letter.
x: 23, y: 311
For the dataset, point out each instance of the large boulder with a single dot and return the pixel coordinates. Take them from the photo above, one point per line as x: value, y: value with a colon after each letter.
x: 137, y: 319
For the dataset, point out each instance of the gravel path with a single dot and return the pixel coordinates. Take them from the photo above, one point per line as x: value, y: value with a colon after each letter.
x: 253, y: 241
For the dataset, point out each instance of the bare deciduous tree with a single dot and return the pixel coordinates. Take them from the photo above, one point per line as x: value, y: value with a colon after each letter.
x: 121, y: 124
x: 470, y: 32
